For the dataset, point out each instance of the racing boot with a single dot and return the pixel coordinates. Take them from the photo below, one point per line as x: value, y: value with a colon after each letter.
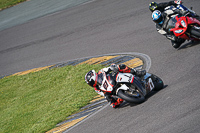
x: 116, y: 103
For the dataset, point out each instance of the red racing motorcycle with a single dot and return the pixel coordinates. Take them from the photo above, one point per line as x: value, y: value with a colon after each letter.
x: 184, y: 27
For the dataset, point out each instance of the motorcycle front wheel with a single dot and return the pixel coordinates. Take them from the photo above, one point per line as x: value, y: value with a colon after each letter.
x: 134, y: 94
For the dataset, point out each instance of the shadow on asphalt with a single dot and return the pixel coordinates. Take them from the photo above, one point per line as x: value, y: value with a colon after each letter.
x: 125, y: 104
x: 188, y: 45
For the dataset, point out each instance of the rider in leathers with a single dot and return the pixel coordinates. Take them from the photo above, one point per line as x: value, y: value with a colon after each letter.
x: 91, y: 78
x: 161, y: 23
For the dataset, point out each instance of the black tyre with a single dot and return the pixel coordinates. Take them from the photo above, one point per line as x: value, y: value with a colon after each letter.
x: 158, y: 82
x: 133, y: 96
x: 195, y: 31
x: 175, y: 45
x: 178, y: 43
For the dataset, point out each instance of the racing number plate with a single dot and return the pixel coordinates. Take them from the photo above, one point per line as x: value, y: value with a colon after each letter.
x: 106, y: 86
x: 150, y: 85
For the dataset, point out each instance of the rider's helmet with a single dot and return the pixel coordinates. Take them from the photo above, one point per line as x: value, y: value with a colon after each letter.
x: 153, y: 6
x: 90, y: 78
x: 157, y: 17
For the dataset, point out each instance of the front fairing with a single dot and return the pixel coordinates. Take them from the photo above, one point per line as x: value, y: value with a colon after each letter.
x: 180, y: 26
x: 171, y: 24
x: 104, y: 83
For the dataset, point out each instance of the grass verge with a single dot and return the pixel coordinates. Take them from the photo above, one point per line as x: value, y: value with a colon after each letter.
x: 9, y: 3
x: 36, y: 102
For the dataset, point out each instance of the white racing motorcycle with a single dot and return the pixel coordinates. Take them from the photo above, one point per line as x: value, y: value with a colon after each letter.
x: 129, y: 87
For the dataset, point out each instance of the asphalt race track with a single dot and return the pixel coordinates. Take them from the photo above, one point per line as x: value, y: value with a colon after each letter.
x: 114, y: 26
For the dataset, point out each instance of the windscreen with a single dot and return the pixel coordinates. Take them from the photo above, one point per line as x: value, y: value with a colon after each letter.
x: 171, y: 24
x: 100, y: 79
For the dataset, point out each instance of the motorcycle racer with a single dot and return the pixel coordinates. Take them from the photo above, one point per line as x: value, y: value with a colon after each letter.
x: 162, y: 12
x: 95, y: 80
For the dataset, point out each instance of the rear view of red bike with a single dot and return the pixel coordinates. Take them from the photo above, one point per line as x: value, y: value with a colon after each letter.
x: 187, y: 28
